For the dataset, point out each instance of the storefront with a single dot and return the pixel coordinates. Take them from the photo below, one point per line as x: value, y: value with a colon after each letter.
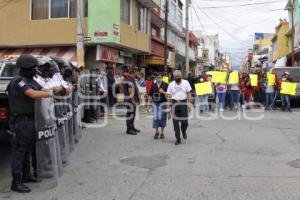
x: 107, y: 58
x: 67, y: 53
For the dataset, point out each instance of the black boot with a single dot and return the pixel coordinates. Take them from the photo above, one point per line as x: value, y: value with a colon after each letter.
x: 31, y: 179
x: 136, y: 130
x: 131, y: 132
x: 18, y: 186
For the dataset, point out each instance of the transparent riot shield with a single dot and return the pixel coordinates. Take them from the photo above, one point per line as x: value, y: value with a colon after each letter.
x: 75, y: 101
x: 46, y: 144
x: 70, y: 114
x: 80, y: 114
x: 62, y: 133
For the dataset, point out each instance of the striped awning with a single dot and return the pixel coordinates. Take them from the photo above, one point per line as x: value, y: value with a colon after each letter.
x: 67, y: 53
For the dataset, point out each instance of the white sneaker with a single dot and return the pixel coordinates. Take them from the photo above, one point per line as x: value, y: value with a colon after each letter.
x: 221, y: 110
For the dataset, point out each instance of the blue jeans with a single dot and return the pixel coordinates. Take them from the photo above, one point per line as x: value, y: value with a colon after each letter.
x: 159, y: 115
x: 203, y: 103
x: 269, y: 100
x: 285, y: 100
x: 234, y: 98
x: 221, y: 97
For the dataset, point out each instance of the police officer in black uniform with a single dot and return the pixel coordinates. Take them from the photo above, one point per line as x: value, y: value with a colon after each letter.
x: 22, y: 91
x: 131, y: 92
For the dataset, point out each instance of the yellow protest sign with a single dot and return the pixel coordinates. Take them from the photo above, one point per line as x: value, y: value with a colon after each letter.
x: 234, y: 78
x: 165, y: 79
x: 219, y: 77
x: 271, y: 79
x: 288, y: 88
x: 254, y: 80
x: 203, y: 88
x: 210, y: 72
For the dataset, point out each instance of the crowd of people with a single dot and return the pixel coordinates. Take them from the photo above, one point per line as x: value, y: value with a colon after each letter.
x: 243, y: 94
x: 42, y: 135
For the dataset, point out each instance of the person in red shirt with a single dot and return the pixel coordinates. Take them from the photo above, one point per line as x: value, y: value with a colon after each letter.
x: 246, y: 90
x: 149, y: 83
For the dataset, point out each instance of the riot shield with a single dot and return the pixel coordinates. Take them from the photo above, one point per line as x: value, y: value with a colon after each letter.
x: 62, y: 133
x: 46, y: 143
x: 69, y: 122
x: 75, y: 101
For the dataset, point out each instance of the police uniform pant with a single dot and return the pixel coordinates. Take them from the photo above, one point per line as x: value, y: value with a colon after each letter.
x: 130, y: 116
x: 102, y: 104
x: 23, y: 126
x: 180, y: 118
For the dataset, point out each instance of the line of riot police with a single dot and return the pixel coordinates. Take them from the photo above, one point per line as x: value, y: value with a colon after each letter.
x: 45, y: 120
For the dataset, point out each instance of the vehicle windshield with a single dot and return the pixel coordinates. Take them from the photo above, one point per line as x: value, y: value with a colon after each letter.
x: 294, y: 73
x: 9, y: 70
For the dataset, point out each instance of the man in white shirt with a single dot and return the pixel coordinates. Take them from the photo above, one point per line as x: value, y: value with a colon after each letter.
x: 179, y: 91
x: 102, y: 87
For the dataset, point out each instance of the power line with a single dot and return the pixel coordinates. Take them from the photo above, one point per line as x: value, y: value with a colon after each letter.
x: 220, y: 26
x: 199, y: 19
x: 242, y: 5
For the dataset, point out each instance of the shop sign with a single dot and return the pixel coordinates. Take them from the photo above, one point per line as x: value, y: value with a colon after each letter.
x: 126, y: 54
x: 107, y: 54
x: 100, y: 34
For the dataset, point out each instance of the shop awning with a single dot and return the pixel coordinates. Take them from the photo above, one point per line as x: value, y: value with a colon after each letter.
x: 67, y: 53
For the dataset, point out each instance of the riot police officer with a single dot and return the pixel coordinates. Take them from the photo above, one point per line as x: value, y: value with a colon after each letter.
x: 22, y: 92
x: 131, y: 99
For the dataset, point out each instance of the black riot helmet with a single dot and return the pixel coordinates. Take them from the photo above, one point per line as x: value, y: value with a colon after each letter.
x: 60, y: 62
x: 27, y: 62
x: 65, y: 67
x: 47, y: 67
x: 44, y: 70
x: 27, y: 65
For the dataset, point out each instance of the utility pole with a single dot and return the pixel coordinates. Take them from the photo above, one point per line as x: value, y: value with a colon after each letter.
x: 293, y: 34
x: 80, y: 34
x: 166, y: 35
x: 187, y: 38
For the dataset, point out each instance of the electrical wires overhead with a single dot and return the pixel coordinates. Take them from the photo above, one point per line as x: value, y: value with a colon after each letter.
x: 242, y: 5
x: 236, y: 21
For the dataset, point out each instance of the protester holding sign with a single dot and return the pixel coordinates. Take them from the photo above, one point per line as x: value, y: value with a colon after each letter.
x: 234, y: 89
x: 203, y: 89
x: 270, y: 90
x: 286, y: 92
x: 247, y: 90
x: 221, y: 90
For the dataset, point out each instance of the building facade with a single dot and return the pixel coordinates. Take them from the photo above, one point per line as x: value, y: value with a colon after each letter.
x: 117, y: 32
x: 296, y: 13
x: 44, y: 27
x: 208, y: 51
x: 280, y: 47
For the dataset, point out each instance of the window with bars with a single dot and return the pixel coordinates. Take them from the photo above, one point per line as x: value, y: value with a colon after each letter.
x: 47, y: 9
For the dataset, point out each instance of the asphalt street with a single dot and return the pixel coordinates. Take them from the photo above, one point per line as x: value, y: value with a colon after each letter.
x: 241, y: 159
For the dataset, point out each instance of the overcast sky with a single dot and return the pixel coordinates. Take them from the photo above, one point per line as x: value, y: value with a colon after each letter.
x: 235, y: 22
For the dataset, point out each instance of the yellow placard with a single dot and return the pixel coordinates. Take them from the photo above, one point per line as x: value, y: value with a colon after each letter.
x: 270, y: 79
x: 210, y: 72
x: 203, y: 88
x: 165, y: 79
x: 234, y: 78
x: 254, y: 80
x: 288, y: 88
x: 219, y: 77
